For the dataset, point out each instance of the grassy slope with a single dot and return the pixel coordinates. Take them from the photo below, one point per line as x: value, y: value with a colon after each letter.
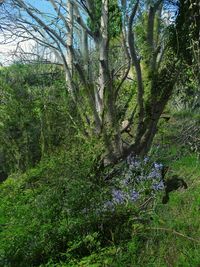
x: 171, y: 240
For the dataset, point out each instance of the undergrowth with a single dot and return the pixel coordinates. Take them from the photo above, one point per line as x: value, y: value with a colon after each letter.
x: 57, y: 214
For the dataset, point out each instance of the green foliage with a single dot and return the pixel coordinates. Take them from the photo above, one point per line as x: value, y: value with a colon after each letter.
x: 33, y: 113
x: 53, y: 212
x: 184, y: 40
x: 111, y: 256
x: 187, y: 29
x: 54, y: 206
x: 41, y: 211
x: 114, y: 26
x: 51, y: 215
x: 187, y: 93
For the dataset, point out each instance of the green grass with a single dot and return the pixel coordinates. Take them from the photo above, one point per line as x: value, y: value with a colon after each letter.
x: 181, y: 214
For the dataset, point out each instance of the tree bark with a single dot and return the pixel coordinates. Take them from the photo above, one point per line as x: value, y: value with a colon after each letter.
x: 69, y: 55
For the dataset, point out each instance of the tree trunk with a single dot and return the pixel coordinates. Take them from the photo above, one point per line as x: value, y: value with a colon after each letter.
x: 69, y: 55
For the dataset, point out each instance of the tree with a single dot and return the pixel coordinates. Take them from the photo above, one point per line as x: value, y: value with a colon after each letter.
x: 95, y: 79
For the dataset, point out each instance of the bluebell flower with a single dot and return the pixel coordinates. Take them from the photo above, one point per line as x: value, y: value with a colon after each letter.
x: 126, y: 181
x: 130, y: 159
x: 141, y: 178
x: 133, y: 162
x: 158, y: 166
x: 158, y: 186
x: 154, y: 174
x: 146, y: 159
x: 134, y: 195
x: 118, y: 196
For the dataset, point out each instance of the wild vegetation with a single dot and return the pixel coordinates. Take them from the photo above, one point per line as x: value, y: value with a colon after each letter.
x: 100, y: 146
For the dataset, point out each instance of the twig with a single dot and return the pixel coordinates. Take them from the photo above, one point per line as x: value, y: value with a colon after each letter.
x: 143, y: 205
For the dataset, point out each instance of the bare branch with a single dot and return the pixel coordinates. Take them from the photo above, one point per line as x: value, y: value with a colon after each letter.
x: 81, y: 22
x: 60, y: 15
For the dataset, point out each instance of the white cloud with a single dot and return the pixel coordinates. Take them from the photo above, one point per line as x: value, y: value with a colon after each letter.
x: 8, y: 51
x: 22, y: 49
x: 5, y: 52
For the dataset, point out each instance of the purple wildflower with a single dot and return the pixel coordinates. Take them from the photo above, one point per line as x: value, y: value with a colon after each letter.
x: 141, y: 178
x: 133, y: 162
x: 158, y: 166
x: 118, y: 196
x: 146, y: 159
x: 158, y: 186
x: 134, y: 195
x: 126, y: 181
x: 154, y: 174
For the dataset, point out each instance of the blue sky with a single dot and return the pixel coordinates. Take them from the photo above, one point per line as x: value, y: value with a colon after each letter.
x: 7, y: 49
x: 42, y: 5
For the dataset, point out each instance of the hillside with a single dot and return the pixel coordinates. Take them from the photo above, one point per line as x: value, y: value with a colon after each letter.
x: 42, y: 217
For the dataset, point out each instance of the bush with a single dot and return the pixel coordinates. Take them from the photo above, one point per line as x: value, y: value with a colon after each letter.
x: 41, y: 209
x: 34, y: 115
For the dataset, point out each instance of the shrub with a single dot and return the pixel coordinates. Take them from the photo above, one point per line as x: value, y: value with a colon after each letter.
x: 39, y: 208
x: 63, y: 209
